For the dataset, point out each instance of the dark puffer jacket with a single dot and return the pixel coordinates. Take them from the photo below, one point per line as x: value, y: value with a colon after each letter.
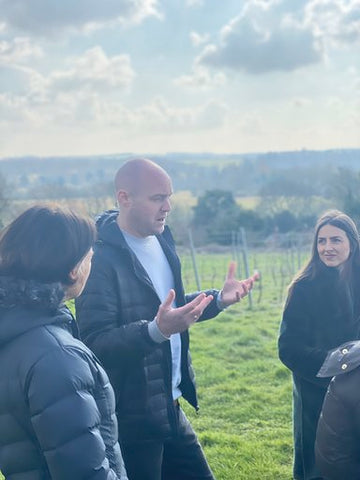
x: 338, y: 435
x: 319, y: 315
x: 113, y: 313
x: 57, y: 415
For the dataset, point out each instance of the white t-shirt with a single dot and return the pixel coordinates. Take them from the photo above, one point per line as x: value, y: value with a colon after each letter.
x: 152, y: 257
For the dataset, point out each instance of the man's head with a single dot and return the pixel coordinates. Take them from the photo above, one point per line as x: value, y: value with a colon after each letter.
x: 143, y: 190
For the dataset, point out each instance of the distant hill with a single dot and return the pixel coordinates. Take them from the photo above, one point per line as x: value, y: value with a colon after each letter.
x: 243, y: 174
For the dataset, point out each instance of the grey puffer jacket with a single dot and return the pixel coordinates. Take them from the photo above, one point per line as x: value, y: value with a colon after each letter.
x: 113, y: 313
x: 338, y: 434
x: 57, y: 415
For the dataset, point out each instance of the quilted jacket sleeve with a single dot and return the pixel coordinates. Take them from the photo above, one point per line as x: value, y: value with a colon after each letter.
x: 61, y: 389
x: 212, y: 309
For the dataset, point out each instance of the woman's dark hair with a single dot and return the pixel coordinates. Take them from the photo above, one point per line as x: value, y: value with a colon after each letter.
x: 45, y: 243
x: 344, y: 222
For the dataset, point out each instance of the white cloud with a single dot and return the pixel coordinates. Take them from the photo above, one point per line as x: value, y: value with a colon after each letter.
x: 18, y: 50
x: 94, y: 70
x: 89, y: 111
x: 336, y: 21
x: 260, y: 40
x: 201, y: 78
x: 40, y: 17
x: 357, y: 86
x: 159, y: 117
x: 64, y: 93
x: 194, y: 3
x: 301, y: 102
x: 198, y: 39
x: 14, y: 109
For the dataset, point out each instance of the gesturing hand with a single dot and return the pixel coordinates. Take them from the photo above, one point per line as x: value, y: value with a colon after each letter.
x: 175, y: 320
x: 234, y: 290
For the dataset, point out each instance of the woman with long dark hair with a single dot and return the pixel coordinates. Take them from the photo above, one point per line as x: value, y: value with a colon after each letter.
x: 322, y: 311
x: 57, y: 418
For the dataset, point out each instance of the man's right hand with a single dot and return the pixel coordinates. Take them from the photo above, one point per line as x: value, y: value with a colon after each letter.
x: 175, y: 320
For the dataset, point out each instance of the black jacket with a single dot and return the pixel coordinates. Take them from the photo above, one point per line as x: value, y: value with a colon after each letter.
x: 338, y: 435
x: 57, y: 415
x: 113, y: 313
x: 319, y: 315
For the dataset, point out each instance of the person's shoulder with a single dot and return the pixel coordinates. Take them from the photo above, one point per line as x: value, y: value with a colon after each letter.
x: 302, y: 284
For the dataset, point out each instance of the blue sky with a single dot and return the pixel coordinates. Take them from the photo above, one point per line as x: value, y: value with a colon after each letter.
x: 152, y: 76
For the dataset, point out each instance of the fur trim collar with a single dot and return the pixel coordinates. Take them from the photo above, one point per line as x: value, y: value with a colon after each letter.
x: 30, y: 293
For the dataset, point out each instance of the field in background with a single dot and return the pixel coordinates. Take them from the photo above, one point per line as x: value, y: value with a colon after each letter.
x: 244, y: 421
x: 245, y: 392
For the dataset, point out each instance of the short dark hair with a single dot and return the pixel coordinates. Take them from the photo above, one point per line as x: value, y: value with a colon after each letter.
x: 45, y: 243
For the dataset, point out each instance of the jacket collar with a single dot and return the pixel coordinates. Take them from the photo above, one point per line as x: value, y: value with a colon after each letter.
x: 340, y: 360
x: 110, y: 233
x: 30, y: 293
x: 27, y: 304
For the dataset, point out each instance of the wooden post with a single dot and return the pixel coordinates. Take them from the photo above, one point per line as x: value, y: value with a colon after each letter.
x: 246, y: 262
x: 193, y: 258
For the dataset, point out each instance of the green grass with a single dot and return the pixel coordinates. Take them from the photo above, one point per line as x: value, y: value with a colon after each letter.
x: 245, y: 396
x: 244, y: 423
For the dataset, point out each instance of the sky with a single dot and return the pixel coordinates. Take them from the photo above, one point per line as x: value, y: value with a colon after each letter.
x: 90, y: 77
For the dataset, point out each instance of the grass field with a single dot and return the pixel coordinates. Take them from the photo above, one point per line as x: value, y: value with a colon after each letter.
x: 245, y: 396
x: 244, y: 421
x: 244, y: 391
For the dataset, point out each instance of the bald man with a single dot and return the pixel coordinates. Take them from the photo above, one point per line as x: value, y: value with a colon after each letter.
x: 135, y: 316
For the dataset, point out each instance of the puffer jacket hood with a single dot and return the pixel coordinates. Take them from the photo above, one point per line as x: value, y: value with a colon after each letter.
x: 105, y: 218
x: 36, y: 300
x: 108, y: 229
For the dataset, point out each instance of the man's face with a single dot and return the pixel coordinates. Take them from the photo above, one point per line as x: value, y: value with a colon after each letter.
x: 149, y: 205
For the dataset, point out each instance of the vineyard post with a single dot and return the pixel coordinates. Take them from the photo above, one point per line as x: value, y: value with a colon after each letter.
x: 235, y: 252
x: 246, y: 262
x: 193, y: 258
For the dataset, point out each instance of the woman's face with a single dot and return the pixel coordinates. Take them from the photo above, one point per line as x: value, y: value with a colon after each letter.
x: 333, y: 246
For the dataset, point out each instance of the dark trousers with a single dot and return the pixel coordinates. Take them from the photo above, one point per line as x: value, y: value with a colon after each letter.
x: 308, y: 400
x: 180, y: 458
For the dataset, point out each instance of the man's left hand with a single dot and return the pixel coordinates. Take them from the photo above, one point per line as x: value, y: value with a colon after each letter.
x: 234, y: 290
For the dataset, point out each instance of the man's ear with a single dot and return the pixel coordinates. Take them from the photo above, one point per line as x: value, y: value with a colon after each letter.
x: 123, y: 198
x: 73, y: 275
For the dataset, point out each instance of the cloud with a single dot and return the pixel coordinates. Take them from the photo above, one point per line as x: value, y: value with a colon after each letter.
x: 201, y: 78
x: 64, y: 93
x: 88, y: 111
x: 336, y: 21
x: 301, y: 102
x: 194, y: 3
x: 18, y: 50
x: 14, y: 109
x: 198, y: 39
x: 262, y: 40
x: 94, y: 70
x: 159, y: 117
x: 40, y: 17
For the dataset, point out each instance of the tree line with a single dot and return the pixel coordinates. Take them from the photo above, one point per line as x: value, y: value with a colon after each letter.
x: 287, y: 200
